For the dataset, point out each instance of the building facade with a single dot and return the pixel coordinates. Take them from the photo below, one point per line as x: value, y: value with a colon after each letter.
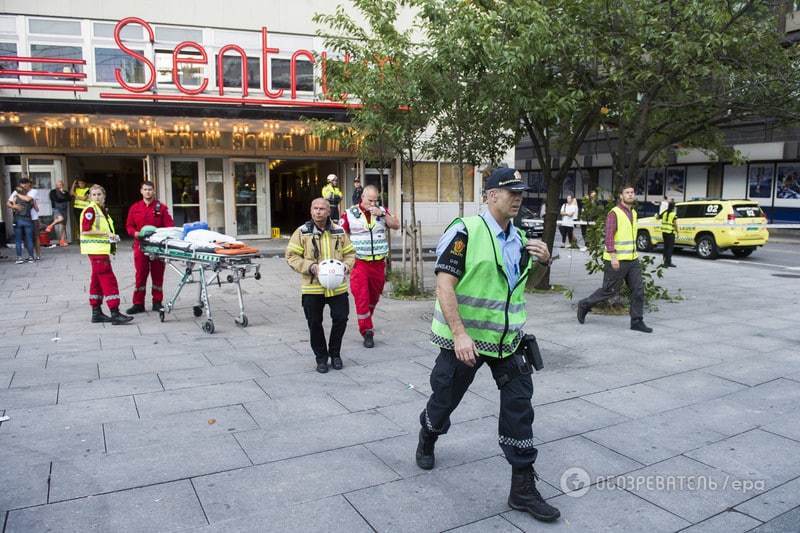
x: 209, y: 101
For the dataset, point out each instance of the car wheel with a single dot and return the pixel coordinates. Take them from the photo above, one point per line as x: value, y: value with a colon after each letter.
x: 743, y: 251
x: 643, y: 242
x: 707, y: 247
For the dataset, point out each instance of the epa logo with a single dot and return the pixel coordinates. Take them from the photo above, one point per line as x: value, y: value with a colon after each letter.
x: 575, y: 482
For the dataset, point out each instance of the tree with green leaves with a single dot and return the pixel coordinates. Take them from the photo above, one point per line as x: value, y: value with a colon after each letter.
x: 385, y: 76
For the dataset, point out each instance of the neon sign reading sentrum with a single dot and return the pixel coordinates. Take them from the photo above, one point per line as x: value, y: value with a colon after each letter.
x: 200, y: 57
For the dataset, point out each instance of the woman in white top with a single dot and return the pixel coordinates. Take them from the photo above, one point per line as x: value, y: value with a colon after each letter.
x: 569, y: 214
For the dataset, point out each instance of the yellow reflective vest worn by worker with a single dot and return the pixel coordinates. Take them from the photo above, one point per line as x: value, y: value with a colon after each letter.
x: 309, y: 245
x: 625, y: 236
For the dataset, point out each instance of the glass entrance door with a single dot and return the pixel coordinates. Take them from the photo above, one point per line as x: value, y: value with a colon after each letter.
x: 185, y: 190
x: 250, y: 198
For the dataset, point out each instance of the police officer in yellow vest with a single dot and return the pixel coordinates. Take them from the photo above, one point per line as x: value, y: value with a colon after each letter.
x: 669, y: 226
x: 79, y: 190
x: 333, y: 194
x: 621, y: 261
x: 481, y: 268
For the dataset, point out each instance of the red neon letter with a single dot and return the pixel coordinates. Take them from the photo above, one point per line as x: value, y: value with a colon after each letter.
x: 134, y: 54
x: 293, y: 69
x: 220, y: 56
x: 176, y: 61
x: 265, y: 51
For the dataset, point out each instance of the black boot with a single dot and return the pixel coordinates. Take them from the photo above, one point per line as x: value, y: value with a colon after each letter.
x: 118, y: 318
x: 98, y: 316
x: 639, y: 325
x: 157, y: 306
x: 369, y: 339
x: 425, y: 456
x: 582, y: 312
x: 135, y: 308
x: 525, y: 497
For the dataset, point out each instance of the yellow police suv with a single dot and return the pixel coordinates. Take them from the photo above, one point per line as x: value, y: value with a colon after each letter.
x: 710, y: 226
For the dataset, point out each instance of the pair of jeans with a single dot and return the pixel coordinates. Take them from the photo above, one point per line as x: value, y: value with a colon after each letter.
x: 23, y: 232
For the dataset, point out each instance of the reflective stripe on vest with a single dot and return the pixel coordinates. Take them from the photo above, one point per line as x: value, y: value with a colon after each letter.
x: 668, y: 222
x: 77, y: 203
x: 95, y: 244
x: 369, y: 239
x: 492, y: 313
x: 625, y: 236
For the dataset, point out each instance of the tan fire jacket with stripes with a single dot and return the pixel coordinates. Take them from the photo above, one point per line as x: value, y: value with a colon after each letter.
x: 309, y: 245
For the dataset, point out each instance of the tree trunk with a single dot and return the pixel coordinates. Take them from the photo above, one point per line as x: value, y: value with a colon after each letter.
x: 414, y: 272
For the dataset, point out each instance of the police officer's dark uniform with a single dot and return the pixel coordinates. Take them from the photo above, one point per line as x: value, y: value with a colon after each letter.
x: 491, y: 264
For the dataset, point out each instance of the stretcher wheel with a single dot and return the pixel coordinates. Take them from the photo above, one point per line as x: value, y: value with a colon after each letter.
x: 243, y: 322
x: 197, y: 310
x: 229, y: 278
x: 161, y: 315
x: 257, y: 275
x: 208, y: 326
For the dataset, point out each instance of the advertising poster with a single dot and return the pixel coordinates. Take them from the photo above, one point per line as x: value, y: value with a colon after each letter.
x: 787, y: 186
x: 676, y: 183
x: 655, y: 183
x: 759, y: 181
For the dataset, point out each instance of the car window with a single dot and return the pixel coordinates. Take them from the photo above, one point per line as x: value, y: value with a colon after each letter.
x: 709, y: 210
x: 747, y: 210
x: 680, y: 211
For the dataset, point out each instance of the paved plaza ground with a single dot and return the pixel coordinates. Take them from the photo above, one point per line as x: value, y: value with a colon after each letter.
x: 160, y: 427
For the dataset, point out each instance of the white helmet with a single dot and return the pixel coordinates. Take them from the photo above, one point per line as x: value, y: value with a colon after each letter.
x: 331, y: 178
x: 330, y: 273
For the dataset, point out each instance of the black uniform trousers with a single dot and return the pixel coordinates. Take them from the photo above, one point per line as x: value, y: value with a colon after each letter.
x: 450, y: 379
x: 669, y: 245
x: 631, y: 273
x: 313, y: 305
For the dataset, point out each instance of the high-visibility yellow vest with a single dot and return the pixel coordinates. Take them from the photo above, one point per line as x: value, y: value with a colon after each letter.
x: 78, y: 203
x: 625, y: 236
x: 96, y: 244
x: 668, y: 222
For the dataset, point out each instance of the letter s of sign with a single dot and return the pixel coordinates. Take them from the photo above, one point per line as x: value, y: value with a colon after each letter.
x: 134, y: 54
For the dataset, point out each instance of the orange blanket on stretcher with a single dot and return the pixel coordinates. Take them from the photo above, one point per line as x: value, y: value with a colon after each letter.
x: 239, y: 250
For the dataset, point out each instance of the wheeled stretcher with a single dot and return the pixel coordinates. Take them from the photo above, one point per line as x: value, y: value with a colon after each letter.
x: 209, y: 268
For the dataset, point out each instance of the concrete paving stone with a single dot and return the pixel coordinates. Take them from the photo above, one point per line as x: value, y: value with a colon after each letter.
x: 765, y: 402
x: 464, y: 443
x: 773, y: 503
x: 696, y: 385
x: 23, y: 363
x: 597, y: 510
x: 177, y: 428
x: 786, y: 523
x: 725, y: 522
x: 128, y: 339
x: 192, y: 399
x: 158, y: 508
x: 23, y: 397
x: 180, y: 379
x: 786, y: 426
x: 168, y: 349
x: 636, y: 401
x: 290, y: 364
x: 444, y: 499
x: 256, y: 355
x: 690, y: 489
x: 28, y: 377
x: 23, y: 484
x: 755, y: 370
x: 41, y: 349
x: 571, y: 417
x: 334, y: 515
x: 53, y: 417
x: 404, y: 370
x: 75, y: 391
x: 495, y: 524
x: 146, y: 366
x: 251, y: 490
x: 472, y: 407
x: 282, y: 412
x: 322, y: 434
x: 549, y: 387
x: 5, y: 379
x: 555, y: 458
x: 754, y: 455
x: 388, y: 392
x: 46, y: 445
x: 62, y: 359
x: 615, y: 375
x: 98, y: 474
x: 655, y: 438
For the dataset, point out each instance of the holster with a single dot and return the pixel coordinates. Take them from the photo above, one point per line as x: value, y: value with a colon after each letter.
x: 507, y: 370
x: 532, y: 352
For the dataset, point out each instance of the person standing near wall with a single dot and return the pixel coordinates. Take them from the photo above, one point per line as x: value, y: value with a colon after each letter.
x: 79, y: 191
x: 148, y: 211
x: 21, y: 205
x: 59, y: 199
x: 569, y: 214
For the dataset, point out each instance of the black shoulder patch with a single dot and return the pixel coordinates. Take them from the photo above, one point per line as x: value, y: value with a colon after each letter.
x: 307, y: 228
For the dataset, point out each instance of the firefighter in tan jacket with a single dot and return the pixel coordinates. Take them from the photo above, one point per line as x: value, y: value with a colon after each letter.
x: 317, y: 240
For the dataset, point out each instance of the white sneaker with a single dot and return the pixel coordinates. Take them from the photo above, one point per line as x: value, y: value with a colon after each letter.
x: 54, y: 245
x: 19, y: 261
x: 583, y: 248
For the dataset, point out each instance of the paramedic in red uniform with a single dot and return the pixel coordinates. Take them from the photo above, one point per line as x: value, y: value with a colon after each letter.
x: 149, y: 211
x: 367, y: 224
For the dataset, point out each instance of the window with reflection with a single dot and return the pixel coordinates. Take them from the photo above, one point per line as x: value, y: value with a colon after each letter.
x: 280, y: 75
x: 185, y: 191
x: 56, y: 51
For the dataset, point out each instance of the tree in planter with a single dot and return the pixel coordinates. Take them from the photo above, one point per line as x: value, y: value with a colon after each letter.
x: 385, y: 76
x: 468, y: 127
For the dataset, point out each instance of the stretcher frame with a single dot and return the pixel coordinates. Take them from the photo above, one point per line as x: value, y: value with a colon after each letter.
x: 209, y: 268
